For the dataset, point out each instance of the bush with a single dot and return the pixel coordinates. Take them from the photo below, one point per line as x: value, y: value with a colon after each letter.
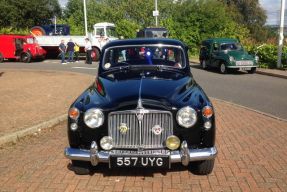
x: 267, y: 54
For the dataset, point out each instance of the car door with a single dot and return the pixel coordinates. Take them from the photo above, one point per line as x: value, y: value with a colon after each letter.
x: 214, y: 53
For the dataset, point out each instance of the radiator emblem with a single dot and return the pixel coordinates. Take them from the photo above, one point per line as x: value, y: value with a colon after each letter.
x: 123, y: 128
x: 157, y: 129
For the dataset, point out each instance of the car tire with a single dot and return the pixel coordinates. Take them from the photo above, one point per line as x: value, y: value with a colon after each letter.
x: 25, y: 57
x: 222, y: 68
x: 95, y: 54
x: 201, y: 167
x: 1, y: 58
x: 203, y: 64
x: 253, y: 70
x: 81, y: 167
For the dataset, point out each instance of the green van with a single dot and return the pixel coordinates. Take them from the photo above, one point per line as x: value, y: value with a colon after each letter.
x: 226, y: 54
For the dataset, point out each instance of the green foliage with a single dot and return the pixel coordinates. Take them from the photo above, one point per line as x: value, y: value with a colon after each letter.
x: 10, y: 30
x: 194, y: 21
x: 27, y: 13
x: 252, y: 15
x: 267, y: 54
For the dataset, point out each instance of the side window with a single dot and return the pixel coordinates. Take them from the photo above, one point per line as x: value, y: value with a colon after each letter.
x: 215, y: 47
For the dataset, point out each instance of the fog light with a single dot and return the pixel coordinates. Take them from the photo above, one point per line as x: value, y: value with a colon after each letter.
x: 74, y: 126
x: 172, y: 142
x: 207, y: 125
x: 106, y: 143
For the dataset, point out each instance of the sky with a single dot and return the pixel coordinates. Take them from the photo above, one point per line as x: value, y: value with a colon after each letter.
x: 272, y: 8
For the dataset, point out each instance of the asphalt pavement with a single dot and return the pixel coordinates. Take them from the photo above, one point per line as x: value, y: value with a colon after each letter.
x: 259, y: 92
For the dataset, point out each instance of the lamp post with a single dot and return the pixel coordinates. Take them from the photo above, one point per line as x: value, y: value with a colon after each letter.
x: 281, y: 34
x: 155, y: 13
x: 85, y: 17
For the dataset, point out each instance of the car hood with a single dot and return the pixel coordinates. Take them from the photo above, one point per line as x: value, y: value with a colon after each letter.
x: 240, y: 55
x: 155, y: 93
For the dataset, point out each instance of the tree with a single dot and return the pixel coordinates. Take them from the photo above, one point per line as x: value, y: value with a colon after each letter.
x: 252, y: 15
x: 27, y: 13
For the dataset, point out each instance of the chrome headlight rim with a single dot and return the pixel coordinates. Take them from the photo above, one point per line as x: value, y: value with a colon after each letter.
x: 193, y: 114
x: 89, y: 118
x: 231, y: 59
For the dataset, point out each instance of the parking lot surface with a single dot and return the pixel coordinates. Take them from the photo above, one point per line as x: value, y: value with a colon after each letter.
x: 252, y: 157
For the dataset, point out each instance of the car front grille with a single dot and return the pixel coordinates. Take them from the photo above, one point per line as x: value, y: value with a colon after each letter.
x: 135, y: 129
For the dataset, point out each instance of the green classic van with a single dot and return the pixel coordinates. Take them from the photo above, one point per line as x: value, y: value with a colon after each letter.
x: 226, y: 54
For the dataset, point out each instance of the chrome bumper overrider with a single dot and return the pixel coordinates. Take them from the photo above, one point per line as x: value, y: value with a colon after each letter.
x: 184, y: 155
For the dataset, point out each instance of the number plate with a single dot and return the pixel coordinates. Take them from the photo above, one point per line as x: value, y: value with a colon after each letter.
x: 140, y: 161
x: 245, y: 68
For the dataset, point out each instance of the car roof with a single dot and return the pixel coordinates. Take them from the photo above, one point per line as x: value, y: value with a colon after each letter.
x: 221, y: 40
x: 142, y: 41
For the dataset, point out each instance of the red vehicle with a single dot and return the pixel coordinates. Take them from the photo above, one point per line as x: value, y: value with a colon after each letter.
x: 20, y: 47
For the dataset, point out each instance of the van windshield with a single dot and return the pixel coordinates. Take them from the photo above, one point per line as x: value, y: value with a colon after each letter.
x: 231, y: 46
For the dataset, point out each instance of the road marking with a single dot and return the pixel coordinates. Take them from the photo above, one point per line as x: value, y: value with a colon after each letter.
x: 84, y: 68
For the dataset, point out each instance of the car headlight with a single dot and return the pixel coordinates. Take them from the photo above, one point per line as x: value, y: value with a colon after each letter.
x: 186, y: 117
x: 94, y: 118
x: 231, y: 59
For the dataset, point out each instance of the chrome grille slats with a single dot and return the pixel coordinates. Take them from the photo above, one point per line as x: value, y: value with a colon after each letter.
x: 131, y: 139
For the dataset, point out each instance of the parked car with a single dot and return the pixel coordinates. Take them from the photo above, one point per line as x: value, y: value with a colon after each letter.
x: 144, y: 110
x: 226, y: 54
x: 20, y: 47
x: 152, y: 32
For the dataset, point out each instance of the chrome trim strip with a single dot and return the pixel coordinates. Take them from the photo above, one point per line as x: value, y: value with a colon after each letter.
x: 242, y: 66
x: 175, y: 156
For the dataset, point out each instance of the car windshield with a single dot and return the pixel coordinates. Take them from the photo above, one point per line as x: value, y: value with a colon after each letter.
x: 153, y: 55
x: 230, y: 46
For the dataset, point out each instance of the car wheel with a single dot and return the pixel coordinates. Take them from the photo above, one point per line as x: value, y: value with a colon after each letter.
x: 222, y: 68
x: 1, y: 58
x: 253, y: 70
x: 25, y: 57
x: 95, y: 54
x: 81, y: 167
x: 203, y: 64
x: 201, y: 167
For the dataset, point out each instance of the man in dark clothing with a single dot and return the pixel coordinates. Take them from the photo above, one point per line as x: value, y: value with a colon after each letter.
x: 62, y: 48
x: 88, y: 49
x: 70, y: 49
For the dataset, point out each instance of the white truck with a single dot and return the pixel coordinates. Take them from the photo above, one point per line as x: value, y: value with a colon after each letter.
x: 103, y: 33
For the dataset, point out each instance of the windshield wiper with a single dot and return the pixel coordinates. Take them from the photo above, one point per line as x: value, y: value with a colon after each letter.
x: 168, y: 68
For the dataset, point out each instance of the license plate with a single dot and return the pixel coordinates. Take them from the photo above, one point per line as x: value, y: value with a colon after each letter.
x: 245, y: 68
x: 139, y: 161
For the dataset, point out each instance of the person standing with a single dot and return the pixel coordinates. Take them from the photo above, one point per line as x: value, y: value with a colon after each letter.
x: 70, y: 49
x: 88, y: 50
x: 62, y: 48
x: 77, y: 50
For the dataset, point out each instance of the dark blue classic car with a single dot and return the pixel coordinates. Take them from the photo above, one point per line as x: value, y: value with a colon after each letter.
x: 143, y: 110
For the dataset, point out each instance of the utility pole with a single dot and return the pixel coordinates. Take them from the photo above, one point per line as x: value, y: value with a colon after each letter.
x: 155, y: 12
x: 85, y: 17
x: 281, y: 35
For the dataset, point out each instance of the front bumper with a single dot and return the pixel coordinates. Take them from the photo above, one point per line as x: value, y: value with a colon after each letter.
x: 184, y: 155
x: 242, y: 66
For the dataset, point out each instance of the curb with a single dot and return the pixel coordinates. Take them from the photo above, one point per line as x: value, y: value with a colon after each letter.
x: 250, y: 109
x: 15, y: 136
